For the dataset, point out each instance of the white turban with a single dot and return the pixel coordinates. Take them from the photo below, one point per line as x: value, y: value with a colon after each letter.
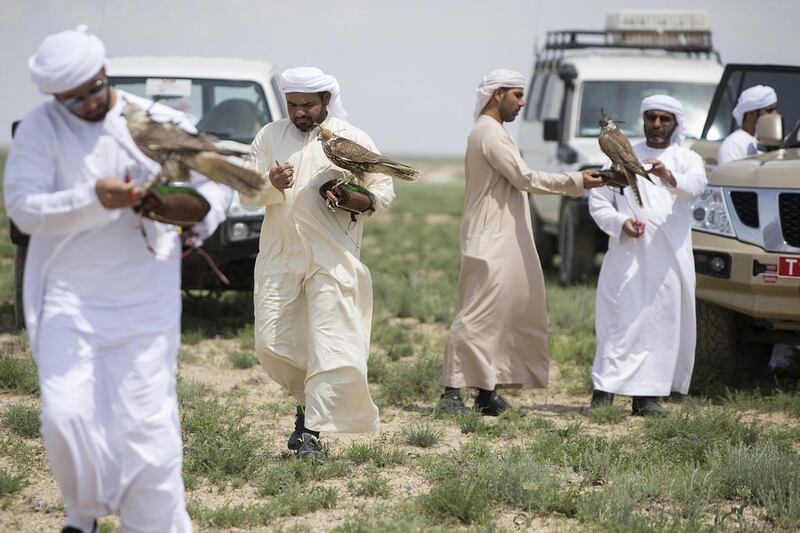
x: 496, y: 79
x: 662, y: 102
x: 753, y: 99
x: 66, y: 60
x: 313, y: 80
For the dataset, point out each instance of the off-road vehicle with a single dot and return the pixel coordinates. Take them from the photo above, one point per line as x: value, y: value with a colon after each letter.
x: 579, y: 73
x: 746, y: 235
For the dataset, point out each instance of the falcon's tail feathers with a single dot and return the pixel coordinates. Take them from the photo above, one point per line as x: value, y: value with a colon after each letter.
x: 397, y: 170
x: 636, y: 193
x: 218, y: 168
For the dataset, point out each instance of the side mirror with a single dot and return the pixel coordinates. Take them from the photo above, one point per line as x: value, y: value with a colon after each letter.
x: 551, y: 130
x: 769, y: 131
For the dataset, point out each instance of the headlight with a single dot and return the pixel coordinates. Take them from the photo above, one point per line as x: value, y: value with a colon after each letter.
x: 709, y: 213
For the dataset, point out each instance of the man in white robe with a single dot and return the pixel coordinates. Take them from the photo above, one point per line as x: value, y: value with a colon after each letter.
x: 753, y: 102
x: 312, y: 295
x: 645, y: 311
x: 101, y: 295
x: 499, y: 334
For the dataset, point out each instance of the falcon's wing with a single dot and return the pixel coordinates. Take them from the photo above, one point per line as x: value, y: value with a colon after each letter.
x: 167, y: 136
x: 352, y: 151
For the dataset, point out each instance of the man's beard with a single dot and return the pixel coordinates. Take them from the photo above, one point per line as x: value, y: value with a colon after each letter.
x: 305, y: 124
x: 659, y: 138
x: 99, y: 115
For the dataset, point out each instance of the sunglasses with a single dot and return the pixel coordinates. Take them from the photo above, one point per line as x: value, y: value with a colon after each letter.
x: 651, y: 117
x: 76, y: 102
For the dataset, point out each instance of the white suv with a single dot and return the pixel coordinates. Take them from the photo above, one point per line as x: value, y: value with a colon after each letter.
x: 231, y: 99
x: 576, y: 75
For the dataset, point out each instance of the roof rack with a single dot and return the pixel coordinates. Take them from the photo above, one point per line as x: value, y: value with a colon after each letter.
x: 676, y: 41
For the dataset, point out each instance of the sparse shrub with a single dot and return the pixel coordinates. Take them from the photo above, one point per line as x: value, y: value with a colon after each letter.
x: 22, y: 420
x: 18, y: 374
x: 242, y: 360
x: 407, y: 382
x: 11, y: 484
x: 373, y: 486
x: 193, y: 336
x: 607, y: 414
x: 374, y: 452
x: 421, y: 435
x: 687, y: 437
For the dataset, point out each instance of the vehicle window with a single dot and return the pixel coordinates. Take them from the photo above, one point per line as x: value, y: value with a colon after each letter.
x: 723, y: 119
x: 534, y: 96
x: 622, y: 99
x: 553, y: 96
x: 786, y: 84
x: 229, y: 109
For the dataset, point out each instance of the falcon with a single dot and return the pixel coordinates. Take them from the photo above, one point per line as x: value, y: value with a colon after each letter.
x: 353, y: 157
x: 624, y: 164
x: 178, y: 151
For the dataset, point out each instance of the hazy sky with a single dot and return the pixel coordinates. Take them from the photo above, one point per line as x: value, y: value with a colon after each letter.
x: 408, y: 68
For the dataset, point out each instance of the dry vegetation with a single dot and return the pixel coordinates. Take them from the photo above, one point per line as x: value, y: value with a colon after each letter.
x: 720, y: 464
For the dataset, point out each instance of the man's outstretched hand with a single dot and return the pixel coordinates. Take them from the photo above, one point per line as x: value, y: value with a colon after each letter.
x: 591, y: 179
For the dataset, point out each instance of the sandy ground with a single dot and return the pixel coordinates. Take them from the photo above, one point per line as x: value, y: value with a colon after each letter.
x: 39, y: 508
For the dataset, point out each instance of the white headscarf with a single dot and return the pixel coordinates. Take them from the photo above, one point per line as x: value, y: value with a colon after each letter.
x: 496, y: 79
x: 663, y: 102
x: 313, y: 80
x: 67, y: 59
x: 752, y: 99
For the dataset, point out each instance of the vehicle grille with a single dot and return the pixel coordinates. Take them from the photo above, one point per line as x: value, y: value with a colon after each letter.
x: 746, y: 205
x: 789, y: 210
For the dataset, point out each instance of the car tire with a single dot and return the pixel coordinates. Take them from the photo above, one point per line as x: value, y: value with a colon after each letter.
x: 545, y: 243
x: 724, y: 358
x: 20, y: 252
x: 576, y: 245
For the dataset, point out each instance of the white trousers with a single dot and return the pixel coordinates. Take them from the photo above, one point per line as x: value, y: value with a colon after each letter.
x: 110, y: 424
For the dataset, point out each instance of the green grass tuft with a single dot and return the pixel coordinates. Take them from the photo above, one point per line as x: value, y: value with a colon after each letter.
x: 18, y: 374
x: 22, y: 420
x: 242, y: 360
x: 421, y: 435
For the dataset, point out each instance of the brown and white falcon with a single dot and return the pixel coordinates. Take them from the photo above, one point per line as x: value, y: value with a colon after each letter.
x: 624, y: 164
x: 178, y: 151
x: 353, y: 157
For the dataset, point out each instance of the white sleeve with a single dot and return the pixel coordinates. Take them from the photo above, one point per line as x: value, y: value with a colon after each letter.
x: 219, y: 198
x: 29, y: 188
x: 261, y: 160
x: 603, y: 209
x: 730, y: 150
x: 690, y: 178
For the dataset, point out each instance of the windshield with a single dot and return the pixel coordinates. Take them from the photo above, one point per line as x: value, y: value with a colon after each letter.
x: 621, y: 100
x: 785, y: 81
x: 229, y: 109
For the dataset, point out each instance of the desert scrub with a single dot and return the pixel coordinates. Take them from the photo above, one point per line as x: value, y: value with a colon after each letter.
x: 22, y: 420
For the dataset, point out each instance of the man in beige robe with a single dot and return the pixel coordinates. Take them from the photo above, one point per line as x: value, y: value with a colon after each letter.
x: 312, y: 294
x: 499, y: 335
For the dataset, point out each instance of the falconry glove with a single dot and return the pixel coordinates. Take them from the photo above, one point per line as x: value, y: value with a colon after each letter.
x: 171, y: 203
x: 347, y: 196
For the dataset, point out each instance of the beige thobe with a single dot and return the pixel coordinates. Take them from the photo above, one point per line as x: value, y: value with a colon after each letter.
x: 312, y: 294
x: 499, y: 335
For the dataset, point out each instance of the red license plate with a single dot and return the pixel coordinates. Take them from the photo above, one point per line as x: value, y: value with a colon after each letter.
x: 789, y: 267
